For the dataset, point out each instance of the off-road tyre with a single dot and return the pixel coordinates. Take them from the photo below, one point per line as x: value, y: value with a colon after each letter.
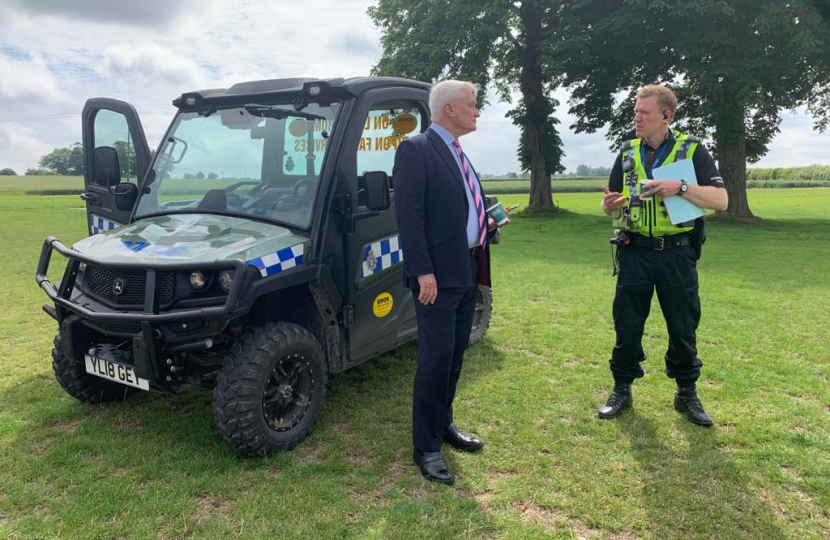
x: 481, y: 316
x: 72, y: 376
x: 272, y: 370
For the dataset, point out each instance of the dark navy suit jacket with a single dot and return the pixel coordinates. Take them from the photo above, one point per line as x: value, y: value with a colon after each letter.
x: 431, y: 209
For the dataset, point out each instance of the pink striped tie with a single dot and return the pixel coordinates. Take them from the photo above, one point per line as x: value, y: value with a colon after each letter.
x: 468, y: 175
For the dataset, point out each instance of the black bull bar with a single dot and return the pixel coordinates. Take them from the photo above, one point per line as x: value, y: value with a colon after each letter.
x: 144, y: 347
x: 61, y: 295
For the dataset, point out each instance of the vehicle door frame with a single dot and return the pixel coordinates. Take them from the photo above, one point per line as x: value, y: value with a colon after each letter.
x: 361, y: 218
x: 101, y: 208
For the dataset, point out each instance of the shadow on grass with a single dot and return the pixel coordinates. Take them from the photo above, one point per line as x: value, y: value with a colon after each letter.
x: 368, y: 408
x: 701, y: 495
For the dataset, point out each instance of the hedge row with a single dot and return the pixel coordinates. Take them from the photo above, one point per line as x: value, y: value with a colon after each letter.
x: 813, y: 173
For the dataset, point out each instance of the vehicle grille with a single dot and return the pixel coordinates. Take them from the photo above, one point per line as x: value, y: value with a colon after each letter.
x: 101, y: 281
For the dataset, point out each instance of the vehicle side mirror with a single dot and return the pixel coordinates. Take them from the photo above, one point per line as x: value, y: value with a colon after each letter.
x: 377, y: 190
x: 125, y: 195
x: 107, y: 168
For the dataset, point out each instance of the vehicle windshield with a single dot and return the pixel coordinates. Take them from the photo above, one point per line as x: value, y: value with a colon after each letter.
x: 253, y: 160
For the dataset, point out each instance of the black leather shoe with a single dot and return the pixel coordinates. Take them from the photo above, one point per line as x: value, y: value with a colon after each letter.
x: 462, y: 441
x: 433, y: 467
x: 687, y: 402
x: 619, y: 400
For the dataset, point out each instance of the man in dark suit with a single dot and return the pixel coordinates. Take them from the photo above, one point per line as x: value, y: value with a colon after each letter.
x: 443, y: 225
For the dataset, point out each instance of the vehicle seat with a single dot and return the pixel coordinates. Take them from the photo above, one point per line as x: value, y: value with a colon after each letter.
x: 215, y: 200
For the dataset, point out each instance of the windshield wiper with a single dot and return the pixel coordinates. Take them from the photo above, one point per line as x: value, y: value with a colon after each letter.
x: 271, y: 111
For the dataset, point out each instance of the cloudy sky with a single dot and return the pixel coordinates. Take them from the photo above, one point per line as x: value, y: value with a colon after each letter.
x: 54, y: 54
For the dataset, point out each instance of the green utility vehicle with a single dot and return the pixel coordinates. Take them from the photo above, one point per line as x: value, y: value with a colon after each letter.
x: 254, y: 253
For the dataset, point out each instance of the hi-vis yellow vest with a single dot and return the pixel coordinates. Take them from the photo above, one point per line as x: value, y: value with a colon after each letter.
x: 651, y: 219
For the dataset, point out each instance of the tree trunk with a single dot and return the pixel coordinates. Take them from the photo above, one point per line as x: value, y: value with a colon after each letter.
x: 732, y: 166
x: 533, y: 94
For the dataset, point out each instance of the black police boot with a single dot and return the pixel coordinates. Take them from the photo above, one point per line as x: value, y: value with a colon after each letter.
x: 687, y: 402
x: 619, y: 400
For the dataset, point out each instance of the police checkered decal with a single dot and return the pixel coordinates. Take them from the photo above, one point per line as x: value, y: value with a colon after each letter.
x: 99, y: 224
x: 283, y: 259
x: 378, y: 256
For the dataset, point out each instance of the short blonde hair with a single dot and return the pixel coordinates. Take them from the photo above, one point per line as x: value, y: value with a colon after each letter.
x: 444, y: 92
x: 665, y: 97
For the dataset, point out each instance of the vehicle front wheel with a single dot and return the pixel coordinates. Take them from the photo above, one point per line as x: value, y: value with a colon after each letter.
x: 270, y: 389
x: 72, y: 376
x: 481, y: 316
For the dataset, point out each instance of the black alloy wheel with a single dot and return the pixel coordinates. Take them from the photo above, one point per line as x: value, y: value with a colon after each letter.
x: 270, y: 389
x: 288, y: 393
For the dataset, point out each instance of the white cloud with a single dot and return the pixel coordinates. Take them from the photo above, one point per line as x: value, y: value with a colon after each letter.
x: 797, y: 144
x: 146, y: 12
x: 21, y: 148
x: 148, y: 63
x: 26, y: 82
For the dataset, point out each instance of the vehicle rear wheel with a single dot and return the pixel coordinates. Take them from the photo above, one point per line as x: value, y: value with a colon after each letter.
x: 270, y: 390
x: 72, y: 376
x: 481, y: 317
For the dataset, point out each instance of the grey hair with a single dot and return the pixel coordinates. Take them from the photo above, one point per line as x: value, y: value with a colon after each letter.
x: 444, y: 92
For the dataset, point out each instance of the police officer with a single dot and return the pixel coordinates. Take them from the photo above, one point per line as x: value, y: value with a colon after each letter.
x: 654, y: 253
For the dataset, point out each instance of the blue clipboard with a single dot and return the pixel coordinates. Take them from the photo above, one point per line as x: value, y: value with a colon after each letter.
x: 680, y: 210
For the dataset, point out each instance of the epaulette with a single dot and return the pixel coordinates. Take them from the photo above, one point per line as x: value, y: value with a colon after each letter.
x: 685, y: 144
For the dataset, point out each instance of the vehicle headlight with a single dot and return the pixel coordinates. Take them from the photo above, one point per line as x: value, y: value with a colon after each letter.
x: 226, y: 280
x: 197, y: 280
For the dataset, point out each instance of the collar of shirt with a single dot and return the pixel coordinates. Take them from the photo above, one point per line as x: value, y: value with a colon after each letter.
x: 668, y: 139
x: 448, y: 139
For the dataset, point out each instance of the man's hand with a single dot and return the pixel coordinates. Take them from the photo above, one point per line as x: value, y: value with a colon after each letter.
x: 662, y: 188
x: 612, y: 200
x: 491, y: 224
x: 429, y: 289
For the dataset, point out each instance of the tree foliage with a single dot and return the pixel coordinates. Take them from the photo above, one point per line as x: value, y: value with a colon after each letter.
x: 505, y: 44
x: 734, y: 65
x: 126, y: 159
x: 7, y: 172
x: 584, y: 170
x: 67, y: 161
x: 31, y: 171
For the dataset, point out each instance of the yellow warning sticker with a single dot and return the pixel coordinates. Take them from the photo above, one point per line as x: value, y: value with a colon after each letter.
x: 298, y: 128
x: 382, y: 304
x: 405, y: 123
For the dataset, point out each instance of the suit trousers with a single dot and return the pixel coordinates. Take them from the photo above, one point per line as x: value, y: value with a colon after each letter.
x: 673, y: 272
x: 443, y: 335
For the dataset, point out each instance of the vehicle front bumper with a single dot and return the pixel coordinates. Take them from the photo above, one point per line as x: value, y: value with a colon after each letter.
x: 147, y: 324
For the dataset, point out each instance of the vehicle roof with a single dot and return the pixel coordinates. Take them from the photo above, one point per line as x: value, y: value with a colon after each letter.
x: 272, y: 87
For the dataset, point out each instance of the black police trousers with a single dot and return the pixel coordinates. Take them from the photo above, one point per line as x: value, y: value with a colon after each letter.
x: 673, y: 272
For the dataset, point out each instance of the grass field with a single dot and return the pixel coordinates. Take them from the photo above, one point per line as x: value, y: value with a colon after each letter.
x: 154, y: 468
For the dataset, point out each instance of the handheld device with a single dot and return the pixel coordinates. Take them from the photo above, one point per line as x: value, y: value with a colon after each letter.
x: 511, y: 208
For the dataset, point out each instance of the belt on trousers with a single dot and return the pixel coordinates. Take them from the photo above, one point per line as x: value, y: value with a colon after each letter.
x: 475, y: 250
x: 659, y: 243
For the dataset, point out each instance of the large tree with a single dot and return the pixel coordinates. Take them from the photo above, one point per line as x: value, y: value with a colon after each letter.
x: 65, y: 160
x: 506, y: 44
x: 735, y: 65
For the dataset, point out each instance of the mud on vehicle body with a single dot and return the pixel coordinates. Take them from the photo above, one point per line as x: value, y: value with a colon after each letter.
x: 255, y: 253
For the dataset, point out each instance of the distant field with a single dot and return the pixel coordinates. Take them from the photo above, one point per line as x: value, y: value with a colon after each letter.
x: 42, y: 183
x: 795, y: 177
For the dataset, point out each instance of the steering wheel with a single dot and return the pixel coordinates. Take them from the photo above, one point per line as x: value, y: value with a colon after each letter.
x: 307, y: 183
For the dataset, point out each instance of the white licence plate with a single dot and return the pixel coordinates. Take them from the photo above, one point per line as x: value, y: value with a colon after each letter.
x: 115, y: 372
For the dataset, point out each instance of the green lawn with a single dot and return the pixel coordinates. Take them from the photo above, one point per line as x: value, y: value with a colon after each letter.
x: 154, y: 467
